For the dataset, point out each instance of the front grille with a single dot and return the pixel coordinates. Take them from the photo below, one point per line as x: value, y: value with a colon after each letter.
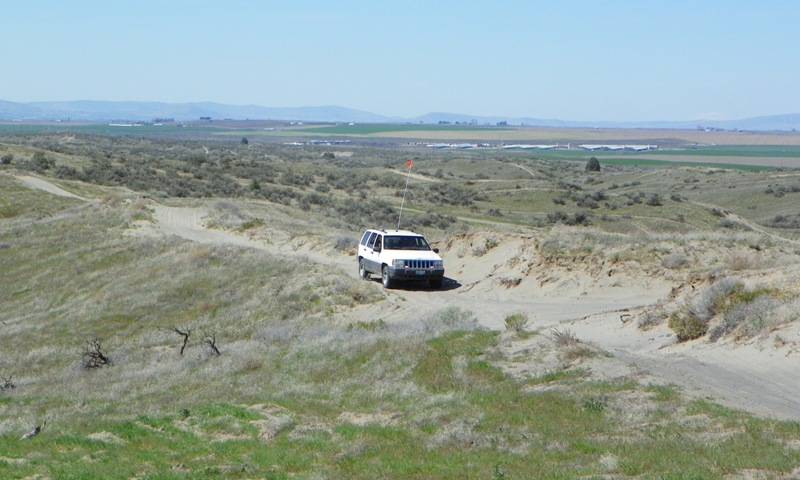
x: 418, y: 264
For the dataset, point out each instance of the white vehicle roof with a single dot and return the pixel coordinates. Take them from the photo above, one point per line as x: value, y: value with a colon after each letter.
x: 405, y: 233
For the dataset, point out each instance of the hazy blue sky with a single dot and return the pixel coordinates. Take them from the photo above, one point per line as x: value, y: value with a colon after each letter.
x: 572, y: 60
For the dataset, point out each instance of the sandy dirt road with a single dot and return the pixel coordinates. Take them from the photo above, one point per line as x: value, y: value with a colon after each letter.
x: 752, y: 377
x: 38, y: 183
x: 756, y: 376
x: 749, y: 377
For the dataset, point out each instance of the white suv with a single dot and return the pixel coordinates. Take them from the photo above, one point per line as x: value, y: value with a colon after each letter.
x: 399, y: 255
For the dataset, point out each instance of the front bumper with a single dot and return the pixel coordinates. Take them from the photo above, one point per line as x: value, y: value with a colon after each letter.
x: 410, y: 274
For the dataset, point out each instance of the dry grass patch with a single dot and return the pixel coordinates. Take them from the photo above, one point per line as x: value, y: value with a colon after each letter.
x: 570, y: 347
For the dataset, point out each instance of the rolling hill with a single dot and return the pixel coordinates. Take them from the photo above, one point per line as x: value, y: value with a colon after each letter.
x: 104, y: 111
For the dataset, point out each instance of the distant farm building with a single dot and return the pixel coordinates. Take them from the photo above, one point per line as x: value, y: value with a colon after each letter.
x: 634, y: 148
x: 536, y: 147
x: 452, y: 145
x: 527, y: 146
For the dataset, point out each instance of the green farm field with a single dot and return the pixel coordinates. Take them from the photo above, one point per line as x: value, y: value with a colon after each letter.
x: 722, y: 149
x: 562, y: 135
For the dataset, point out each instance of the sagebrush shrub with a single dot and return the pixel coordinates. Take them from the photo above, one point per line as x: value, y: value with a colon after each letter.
x: 479, y: 251
x: 692, y: 320
x: 748, y: 313
x: 742, y: 260
x: 715, y: 297
x: 345, y: 243
x: 517, y: 322
x: 675, y: 260
x: 687, y: 326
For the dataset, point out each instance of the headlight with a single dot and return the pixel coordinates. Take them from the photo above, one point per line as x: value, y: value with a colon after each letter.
x: 398, y: 264
x: 438, y: 264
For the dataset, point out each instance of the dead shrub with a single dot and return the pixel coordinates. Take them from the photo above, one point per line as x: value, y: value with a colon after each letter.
x: 564, y: 338
x: 6, y: 383
x: 210, y: 342
x: 93, y: 355
x: 184, y: 333
x: 569, y: 345
x: 510, y: 282
x: 650, y: 318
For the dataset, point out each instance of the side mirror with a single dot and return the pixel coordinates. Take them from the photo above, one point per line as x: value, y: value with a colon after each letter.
x: 435, y: 250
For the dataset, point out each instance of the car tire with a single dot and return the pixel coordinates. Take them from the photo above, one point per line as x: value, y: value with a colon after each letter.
x: 362, y: 269
x: 385, y: 279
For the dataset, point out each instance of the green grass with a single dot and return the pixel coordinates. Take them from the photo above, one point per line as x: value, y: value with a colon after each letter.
x: 738, y: 151
x: 490, y: 423
x: 633, y: 159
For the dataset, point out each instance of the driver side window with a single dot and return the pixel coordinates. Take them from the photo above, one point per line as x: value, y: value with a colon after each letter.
x: 374, y: 240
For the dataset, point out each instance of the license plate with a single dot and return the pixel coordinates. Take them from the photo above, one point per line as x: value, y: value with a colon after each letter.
x: 421, y: 272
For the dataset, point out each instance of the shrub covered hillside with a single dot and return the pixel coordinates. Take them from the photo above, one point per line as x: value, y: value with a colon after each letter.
x: 128, y: 353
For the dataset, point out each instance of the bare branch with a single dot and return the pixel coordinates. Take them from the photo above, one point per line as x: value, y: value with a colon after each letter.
x: 6, y: 383
x: 185, y: 333
x: 211, y: 343
x: 93, y: 356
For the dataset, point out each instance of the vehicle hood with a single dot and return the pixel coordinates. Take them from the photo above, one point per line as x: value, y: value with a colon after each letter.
x: 416, y: 255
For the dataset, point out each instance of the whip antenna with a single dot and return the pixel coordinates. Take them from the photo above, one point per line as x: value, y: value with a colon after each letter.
x: 409, y: 164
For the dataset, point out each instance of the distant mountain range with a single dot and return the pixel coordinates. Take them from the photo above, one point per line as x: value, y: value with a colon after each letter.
x: 102, y: 111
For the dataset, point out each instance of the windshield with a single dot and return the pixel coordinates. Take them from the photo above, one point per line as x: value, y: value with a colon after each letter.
x: 405, y: 243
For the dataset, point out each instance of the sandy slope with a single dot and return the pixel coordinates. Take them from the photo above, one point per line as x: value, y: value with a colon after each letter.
x: 592, y: 303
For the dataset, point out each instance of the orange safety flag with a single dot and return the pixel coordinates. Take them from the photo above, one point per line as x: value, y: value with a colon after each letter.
x: 410, y: 163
